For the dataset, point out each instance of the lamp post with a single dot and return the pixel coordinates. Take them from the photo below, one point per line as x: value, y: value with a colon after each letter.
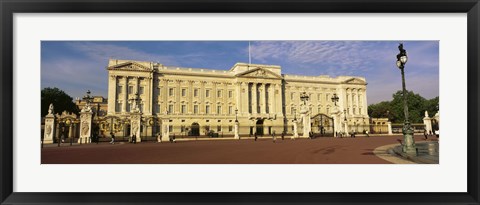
x: 335, y: 98
x: 409, y: 143
x: 68, y: 122
x: 304, y: 97
x: 150, y: 122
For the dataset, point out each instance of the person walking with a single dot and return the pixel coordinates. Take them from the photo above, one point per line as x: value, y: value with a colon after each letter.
x: 255, y: 136
x: 366, y: 132
x: 113, y: 138
x: 274, y: 137
x: 174, y: 141
x: 283, y: 135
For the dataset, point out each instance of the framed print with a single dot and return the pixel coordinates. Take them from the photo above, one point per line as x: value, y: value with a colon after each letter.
x: 239, y: 102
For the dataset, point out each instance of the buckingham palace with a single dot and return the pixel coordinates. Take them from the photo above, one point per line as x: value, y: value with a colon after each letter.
x: 260, y: 98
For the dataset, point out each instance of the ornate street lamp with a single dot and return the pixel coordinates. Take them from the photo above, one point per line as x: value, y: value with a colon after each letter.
x: 68, y: 122
x: 304, y: 97
x: 335, y: 98
x: 236, y: 112
x: 409, y: 142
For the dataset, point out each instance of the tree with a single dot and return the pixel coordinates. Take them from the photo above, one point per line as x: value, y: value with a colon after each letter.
x: 417, y: 105
x: 61, y: 101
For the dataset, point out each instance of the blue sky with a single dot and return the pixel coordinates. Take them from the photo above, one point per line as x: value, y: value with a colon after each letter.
x: 76, y: 66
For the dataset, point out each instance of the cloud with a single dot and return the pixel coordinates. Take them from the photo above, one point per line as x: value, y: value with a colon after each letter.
x: 103, y: 51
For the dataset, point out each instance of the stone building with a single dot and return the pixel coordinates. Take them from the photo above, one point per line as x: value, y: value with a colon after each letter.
x: 196, y: 101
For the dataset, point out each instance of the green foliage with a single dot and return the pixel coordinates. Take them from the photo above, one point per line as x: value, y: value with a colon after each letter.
x: 61, y: 101
x: 417, y: 105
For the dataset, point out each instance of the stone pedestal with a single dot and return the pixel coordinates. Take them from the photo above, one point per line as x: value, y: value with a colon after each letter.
x: 237, y: 136
x: 336, y: 121
x: 49, y: 129
x: 135, y: 126
x: 295, y: 129
x: 305, y: 116
x: 389, y: 125
x: 85, y: 126
x: 165, y: 130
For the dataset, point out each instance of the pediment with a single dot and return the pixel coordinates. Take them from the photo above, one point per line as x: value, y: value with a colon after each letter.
x: 130, y: 66
x: 355, y: 81
x: 259, y: 73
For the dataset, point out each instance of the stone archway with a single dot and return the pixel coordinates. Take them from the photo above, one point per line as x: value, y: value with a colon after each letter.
x: 259, y: 127
x: 195, y: 130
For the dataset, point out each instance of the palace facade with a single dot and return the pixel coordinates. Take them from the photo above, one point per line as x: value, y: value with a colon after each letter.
x: 264, y: 100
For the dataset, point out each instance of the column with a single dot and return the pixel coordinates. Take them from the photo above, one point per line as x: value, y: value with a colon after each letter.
x: 262, y: 103
x: 238, y: 96
x: 254, y: 98
x: 178, y: 93
x: 365, y: 106
x: 244, y: 98
x: 214, y: 105
x: 350, y: 102
x: 225, y: 99
x: 125, y: 94
x: 279, y: 100
x: 148, y: 96
x: 112, y: 94
x: 165, y: 96
x: 202, y: 97
x: 190, y: 97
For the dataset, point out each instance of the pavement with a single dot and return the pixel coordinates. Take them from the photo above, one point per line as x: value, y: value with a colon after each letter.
x: 321, y: 150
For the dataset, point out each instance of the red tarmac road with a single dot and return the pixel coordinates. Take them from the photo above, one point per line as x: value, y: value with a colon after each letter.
x: 357, y: 150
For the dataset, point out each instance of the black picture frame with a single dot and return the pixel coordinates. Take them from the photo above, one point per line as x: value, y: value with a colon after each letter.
x: 10, y: 7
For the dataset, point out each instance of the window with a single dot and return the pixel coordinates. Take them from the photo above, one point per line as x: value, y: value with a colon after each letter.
x: 195, y: 92
x: 195, y: 109
x: 158, y: 108
x: 230, y: 128
x: 129, y: 106
x: 170, y: 128
x: 207, y: 109
x: 184, y: 109
x: 230, y: 110
x: 140, y: 92
x: 130, y: 89
x: 219, y: 128
x: 170, y: 92
x: 184, y: 92
x: 170, y: 109
x: 119, y: 89
x: 219, y: 109
x: 118, y: 108
x: 230, y: 94
x: 219, y: 93
x: 207, y: 93
x: 159, y: 91
x: 182, y: 128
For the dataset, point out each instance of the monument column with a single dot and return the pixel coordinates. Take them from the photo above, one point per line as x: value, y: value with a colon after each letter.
x: 135, y: 125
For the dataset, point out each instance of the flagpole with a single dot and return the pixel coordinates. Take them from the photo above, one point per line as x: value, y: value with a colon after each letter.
x: 249, y: 54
